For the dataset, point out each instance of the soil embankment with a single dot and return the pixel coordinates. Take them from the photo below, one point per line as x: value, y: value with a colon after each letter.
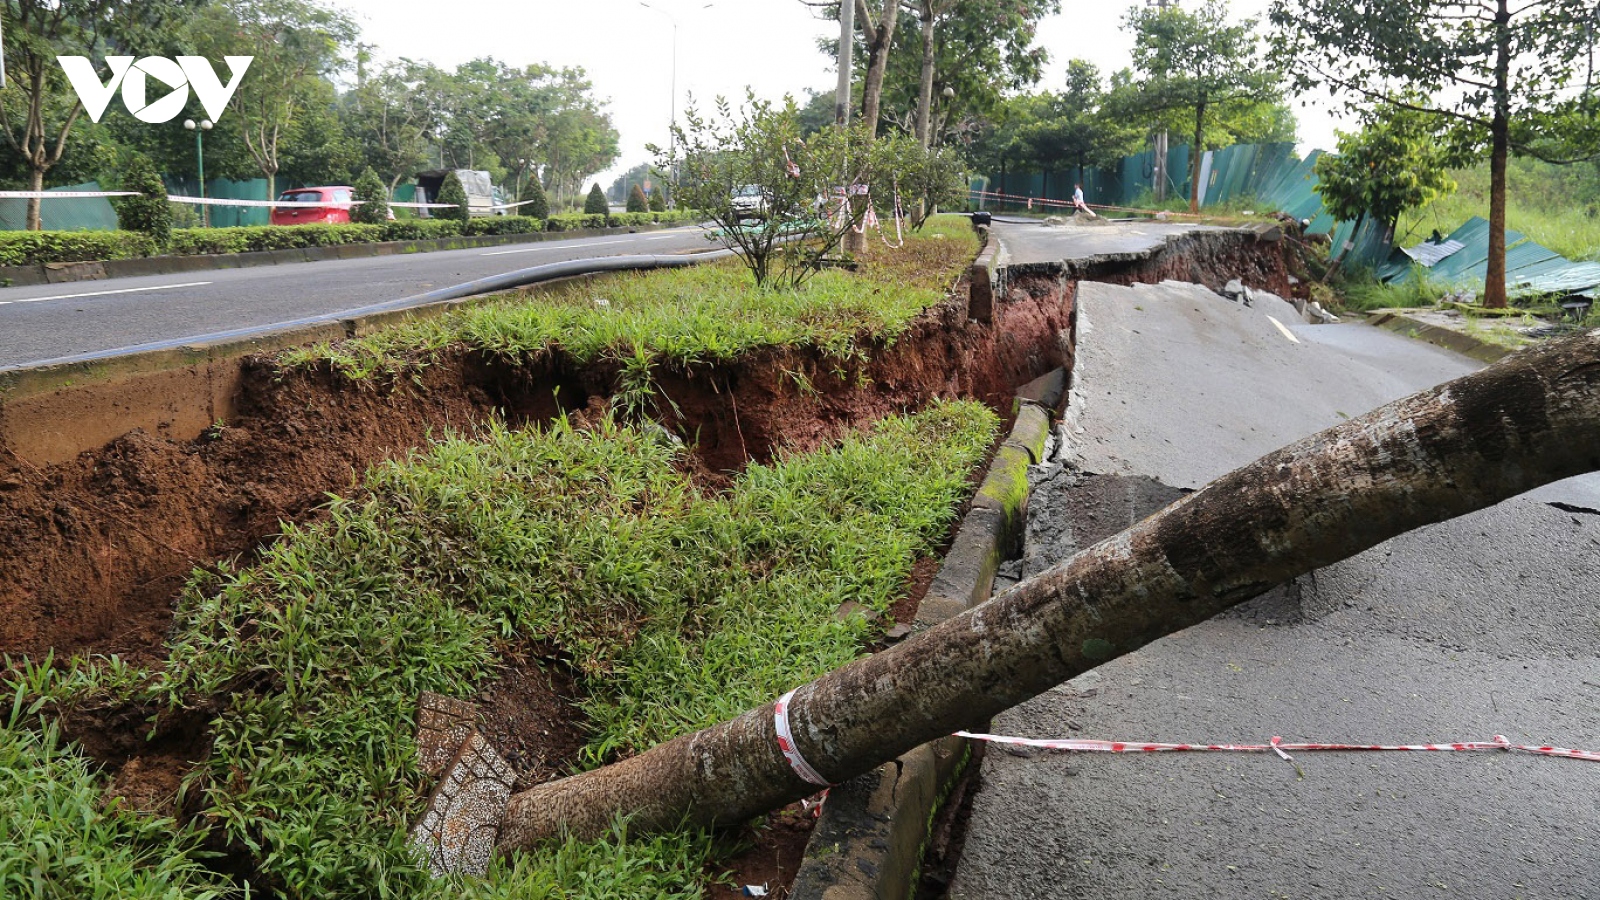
x: 94, y: 550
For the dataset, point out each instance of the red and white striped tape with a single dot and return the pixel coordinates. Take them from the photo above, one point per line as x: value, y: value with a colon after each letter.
x: 780, y: 724
x: 1276, y: 745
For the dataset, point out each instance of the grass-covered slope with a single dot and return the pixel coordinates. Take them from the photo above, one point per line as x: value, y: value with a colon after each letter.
x: 676, y: 608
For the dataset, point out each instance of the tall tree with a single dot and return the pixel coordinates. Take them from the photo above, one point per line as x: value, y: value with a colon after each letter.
x: 297, y: 45
x: 975, y: 49
x: 1426, y: 458
x: 388, y: 114
x: 1073, y: 127
x: 876, y: 21
x: 1198, y: 63
x: 38, y: 108
x: 1514, y: 76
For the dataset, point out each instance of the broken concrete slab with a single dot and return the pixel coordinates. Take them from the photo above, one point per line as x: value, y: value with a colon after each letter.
x: 443, y: 725
x: 457, y: 832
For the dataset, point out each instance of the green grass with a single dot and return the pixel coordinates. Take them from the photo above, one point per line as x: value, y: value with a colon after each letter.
x: 1557, y: 206
x: 1361, y: 291
x: 676, y: 608
x: 700, y: 314
x: 59, y: 838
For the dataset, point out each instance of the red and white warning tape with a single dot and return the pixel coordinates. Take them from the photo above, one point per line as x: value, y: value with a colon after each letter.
x: 780, y: 723
x: 1276, y: 745
x: 69, y: 195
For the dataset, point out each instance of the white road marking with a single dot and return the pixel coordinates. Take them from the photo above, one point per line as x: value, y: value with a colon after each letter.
x: 557, y: 247
x: 1286, y: 332
x: 159, y: 287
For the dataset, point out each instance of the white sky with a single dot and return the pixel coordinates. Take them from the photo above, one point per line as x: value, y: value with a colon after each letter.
x: 769, y: 45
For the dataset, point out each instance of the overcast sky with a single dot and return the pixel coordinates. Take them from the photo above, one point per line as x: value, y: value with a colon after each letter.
x: 769, y: 45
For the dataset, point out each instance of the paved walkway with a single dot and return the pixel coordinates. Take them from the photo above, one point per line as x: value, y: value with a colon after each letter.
x: 1480, y: 626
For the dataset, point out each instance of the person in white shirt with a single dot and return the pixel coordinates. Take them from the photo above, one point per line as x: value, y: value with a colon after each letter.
x: 1077, y: 201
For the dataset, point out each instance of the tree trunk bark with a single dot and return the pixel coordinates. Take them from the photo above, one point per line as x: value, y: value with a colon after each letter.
x: 1494, y: 281
x: 35, y: 183
x: 1196, y: 154
x: 925, y: 85
x: 878, y: 42
x: 1529, y: 420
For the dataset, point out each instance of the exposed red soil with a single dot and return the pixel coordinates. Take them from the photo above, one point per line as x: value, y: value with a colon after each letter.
x: 776, y: 848
x: 92, y: 552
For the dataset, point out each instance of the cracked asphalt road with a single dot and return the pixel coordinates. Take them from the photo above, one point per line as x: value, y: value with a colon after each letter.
x: 1483, y: 625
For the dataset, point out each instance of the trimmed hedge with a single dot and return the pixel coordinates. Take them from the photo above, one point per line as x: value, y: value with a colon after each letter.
x: 505, y: 225
x: 31, y: 248
x: 27, y: 248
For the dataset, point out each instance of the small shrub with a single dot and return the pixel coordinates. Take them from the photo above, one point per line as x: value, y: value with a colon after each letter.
x: 637, y: 202
x: 595, y: 203
x: 576, y: 222
x: 195, y: 241
x: 32, y: 248
x: 658, y: 199
x: 537, y: 205
x: 148, y: 213
x: 420, y: 229
x: 505, y: 225
x: 453, y: 193
x: 372, y: 207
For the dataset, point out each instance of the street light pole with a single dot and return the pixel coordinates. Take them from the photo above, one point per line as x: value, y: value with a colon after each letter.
x: 200, y: 160
x: 672, y: 134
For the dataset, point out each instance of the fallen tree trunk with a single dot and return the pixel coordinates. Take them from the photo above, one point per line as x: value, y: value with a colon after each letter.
x: 1524, y: 422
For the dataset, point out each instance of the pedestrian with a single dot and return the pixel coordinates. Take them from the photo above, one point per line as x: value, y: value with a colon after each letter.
x: 1077, y: 201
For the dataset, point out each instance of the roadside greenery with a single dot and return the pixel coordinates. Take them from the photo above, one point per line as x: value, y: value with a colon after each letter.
x: 703, y: 313
x: 148, y: 212
x: 372, y: 207
x: 453, y: 193
x: 673, y: 606
x: 596, y: 203
x: 27, y: 248
x: 60, y: 837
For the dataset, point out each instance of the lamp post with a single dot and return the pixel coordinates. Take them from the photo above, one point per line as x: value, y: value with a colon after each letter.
x: 200, y: 160
x: 672, y: 134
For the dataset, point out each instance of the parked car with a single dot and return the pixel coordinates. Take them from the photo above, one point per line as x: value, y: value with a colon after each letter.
x: 749, y: 202
x: 336, y: 212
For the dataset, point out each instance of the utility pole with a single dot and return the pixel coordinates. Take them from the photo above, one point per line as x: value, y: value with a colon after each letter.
x: 847, y: 46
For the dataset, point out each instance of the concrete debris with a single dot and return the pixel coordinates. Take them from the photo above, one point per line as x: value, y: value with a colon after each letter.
x: 1316, y: 315
x: 897, y: 633
x: 457, y: 833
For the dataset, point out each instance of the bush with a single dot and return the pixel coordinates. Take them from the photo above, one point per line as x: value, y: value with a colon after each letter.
x: 595, y: 203
x: 31, y: 248
x: 453, y: 193
x: 420, y: 229
x: 194, y: 241
x: 372, y: 207
x: 637, y: 202
x: 575, y: 222
x: 658, y: 199
x: 538, y: 206
x: 505, y: 225
x: 149, y: 213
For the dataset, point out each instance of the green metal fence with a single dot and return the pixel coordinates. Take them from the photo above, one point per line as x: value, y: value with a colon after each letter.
x: 67, y: 214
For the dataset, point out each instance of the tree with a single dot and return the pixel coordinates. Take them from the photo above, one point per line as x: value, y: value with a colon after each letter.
x: 637, y: 202
x: 1426, y: 458
x: 595, y: 204
x: 1395, y: 163
x: 148, y: 212
x: 38, y: 108
x: 1498, y: 73
x: 453, y: 193
x: 296, y: 44
x: 802, y: 183
x: 372, y: 199
x: 1199, y: 63
x: 877, y: 20
x: 389, y: 115
x: 533, y: 200
x: 975, y: 49
x: 658, y: 198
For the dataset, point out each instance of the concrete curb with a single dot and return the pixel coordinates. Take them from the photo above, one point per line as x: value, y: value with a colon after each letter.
x: 986, y: 278
x: 868, y: 843
x: 63, y: 273
x: 1465, y: 344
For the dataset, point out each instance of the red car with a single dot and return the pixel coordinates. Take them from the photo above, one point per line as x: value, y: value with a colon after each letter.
x: 336, y: 212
